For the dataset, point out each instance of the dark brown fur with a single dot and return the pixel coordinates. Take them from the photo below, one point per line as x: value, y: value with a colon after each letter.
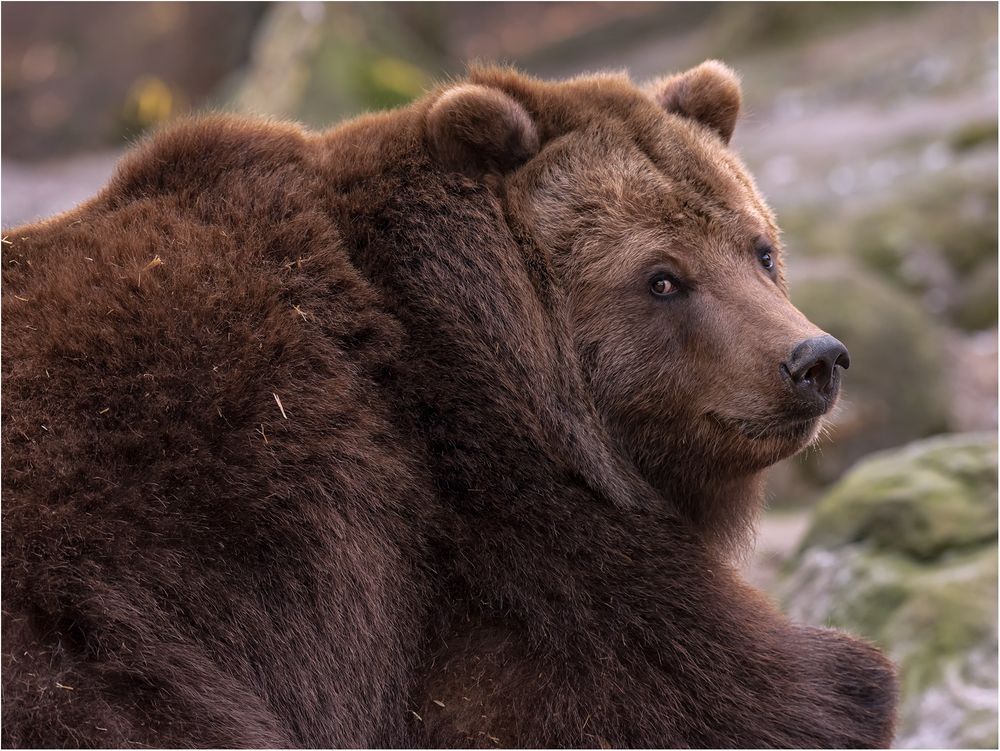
x: 347, y: 467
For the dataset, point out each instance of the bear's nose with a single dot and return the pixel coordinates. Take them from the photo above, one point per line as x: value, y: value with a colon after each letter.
x: 813, y: 366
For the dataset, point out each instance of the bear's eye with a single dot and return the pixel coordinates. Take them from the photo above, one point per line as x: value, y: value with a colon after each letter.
x: 662, y: 285
x: 766, y: 260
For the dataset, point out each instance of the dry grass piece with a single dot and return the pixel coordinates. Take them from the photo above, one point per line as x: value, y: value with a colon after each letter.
x: 157, y: 261
x: 279, y: 405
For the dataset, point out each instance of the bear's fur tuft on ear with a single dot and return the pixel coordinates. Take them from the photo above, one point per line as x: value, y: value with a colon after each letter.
x: 709, y: 94
x: 476, y: 130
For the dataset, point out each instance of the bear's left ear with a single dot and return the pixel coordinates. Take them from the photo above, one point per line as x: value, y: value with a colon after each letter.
x: 709, y: 94
x: 477, y: 130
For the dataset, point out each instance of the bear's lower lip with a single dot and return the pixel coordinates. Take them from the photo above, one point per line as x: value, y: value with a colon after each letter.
x: 772, y: 427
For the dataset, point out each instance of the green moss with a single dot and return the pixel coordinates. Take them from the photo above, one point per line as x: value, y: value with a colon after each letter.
x: 936, y: 496
x: 971, y: 135
x: 952, y: 609
x: 976, y: 307
x: 971, y: 458
x: 872, y: 607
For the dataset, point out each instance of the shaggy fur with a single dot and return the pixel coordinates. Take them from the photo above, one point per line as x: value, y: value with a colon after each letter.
x: 376, y: 437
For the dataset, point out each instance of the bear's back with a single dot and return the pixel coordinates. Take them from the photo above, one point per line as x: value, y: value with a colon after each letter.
x: 181, y: 354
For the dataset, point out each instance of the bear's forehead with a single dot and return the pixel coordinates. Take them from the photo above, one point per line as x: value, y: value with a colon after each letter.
x: 677, y: 178
x: 625, y: 138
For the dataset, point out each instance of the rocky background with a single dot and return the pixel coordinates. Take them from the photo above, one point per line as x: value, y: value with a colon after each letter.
x: 872, y: 128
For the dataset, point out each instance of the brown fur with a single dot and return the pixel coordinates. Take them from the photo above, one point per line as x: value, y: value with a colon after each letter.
x: 709, y: 94
x: 498, y: 498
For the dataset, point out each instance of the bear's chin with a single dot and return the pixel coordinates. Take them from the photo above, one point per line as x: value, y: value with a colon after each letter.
x: 758, y: 443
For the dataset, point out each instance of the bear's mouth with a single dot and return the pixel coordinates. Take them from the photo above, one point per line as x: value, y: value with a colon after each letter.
x: 780, y: 427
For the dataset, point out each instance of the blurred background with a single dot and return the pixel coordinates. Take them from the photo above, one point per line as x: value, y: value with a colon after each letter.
x: 871, y: 128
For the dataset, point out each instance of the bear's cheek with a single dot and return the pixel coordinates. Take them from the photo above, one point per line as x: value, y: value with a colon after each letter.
x: 732, y: 347
x: 726, y: 395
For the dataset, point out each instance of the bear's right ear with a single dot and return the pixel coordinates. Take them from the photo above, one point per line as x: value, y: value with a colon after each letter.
x: 477, y: 130
x: 708, y: 94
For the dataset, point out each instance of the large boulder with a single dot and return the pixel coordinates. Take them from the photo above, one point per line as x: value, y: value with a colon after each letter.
x: 903, y: 551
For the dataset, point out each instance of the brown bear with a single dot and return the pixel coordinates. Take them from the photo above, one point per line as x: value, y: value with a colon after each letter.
x: 440, y: 428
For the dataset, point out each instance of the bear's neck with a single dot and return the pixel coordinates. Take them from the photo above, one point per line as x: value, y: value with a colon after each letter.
x: 722, y: 508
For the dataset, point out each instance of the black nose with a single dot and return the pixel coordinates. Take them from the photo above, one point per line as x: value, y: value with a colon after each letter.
x: 813, y: 365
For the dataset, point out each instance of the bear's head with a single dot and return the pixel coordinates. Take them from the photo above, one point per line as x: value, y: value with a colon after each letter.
x: 670, y: 264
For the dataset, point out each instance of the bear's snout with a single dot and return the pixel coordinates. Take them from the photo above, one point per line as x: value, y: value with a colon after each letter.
x: 812, y: 369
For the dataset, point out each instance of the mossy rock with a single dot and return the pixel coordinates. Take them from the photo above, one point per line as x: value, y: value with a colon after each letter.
x: 975, y: 134
x: 934, y: 241
x: 976, y: 307
x: 937, y: 621
x: 938, y: 495
x: 903, y: 551
x: 893, y: 392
